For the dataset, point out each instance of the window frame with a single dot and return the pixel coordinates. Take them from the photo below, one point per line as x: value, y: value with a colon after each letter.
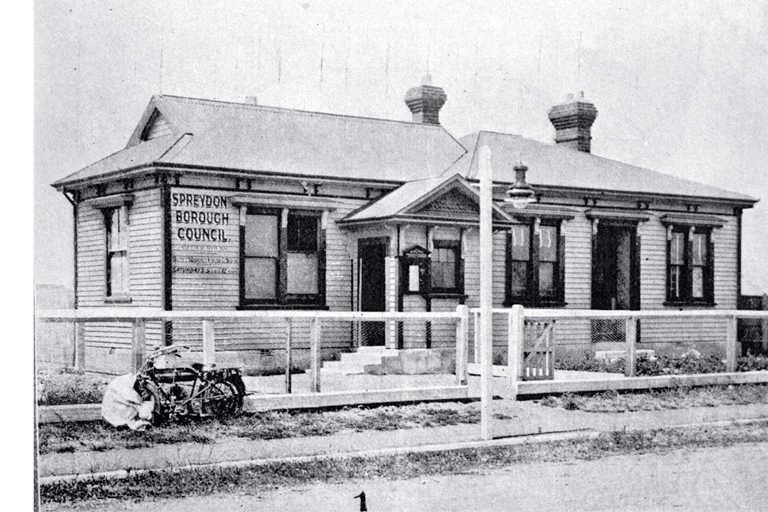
x: 685, y: 281
x: 123, y: 252
x: 283, y: 299
x: 532, y: 296
x: 458, y: 276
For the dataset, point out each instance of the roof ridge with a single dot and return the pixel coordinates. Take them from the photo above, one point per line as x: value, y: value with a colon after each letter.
x: 234, y: 104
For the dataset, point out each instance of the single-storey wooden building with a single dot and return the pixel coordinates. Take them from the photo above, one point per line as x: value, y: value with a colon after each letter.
x: 237, y: 206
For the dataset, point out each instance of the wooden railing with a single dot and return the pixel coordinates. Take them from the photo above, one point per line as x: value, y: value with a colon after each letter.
x: 139, y: 317
x: 517, y: 316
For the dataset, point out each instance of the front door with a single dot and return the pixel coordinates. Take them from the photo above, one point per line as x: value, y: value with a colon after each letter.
x: 372, y: 253
x: 615, y: 278
x: 614, y: 269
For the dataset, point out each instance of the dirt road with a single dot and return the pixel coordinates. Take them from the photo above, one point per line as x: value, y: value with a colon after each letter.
x: 722, y: 478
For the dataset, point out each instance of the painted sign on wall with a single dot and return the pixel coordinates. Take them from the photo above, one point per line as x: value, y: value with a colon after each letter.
x: 204, y: 228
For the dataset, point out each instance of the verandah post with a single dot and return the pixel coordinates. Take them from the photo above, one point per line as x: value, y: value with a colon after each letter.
x: 138, y: 344
x: 209, y: 345
x: 462, y: 344
x: 314, y: 354
x: 629, y: 368
x: 80, y: 346
x: 730, y: 344
x: 515, y: 340
x: 288, y: 355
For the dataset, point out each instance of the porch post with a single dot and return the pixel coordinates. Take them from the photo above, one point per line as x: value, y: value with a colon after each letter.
x: 486, y: 292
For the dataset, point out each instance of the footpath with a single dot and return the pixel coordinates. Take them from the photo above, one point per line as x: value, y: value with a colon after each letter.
x: 514, y: 423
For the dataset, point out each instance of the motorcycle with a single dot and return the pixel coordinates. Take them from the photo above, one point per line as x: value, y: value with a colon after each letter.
x: 189, y: 390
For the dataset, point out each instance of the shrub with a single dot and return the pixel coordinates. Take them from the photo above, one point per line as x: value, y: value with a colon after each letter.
x: 751, y: 363
x: 691, y: 362
x: 64, y: 387
x: 588, y: 363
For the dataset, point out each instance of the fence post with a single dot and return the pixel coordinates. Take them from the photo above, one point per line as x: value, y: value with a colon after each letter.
x: 730, y: 344
x: 462, y: 344
x: 80, y: 346
x: 314, y: 354
x: 516, y: 339
x: 764, y: 324
x: 288, y: 355
x: 209, y: 345
x: 631, y: 331
x: 476, y: 337
x: 138, y: 344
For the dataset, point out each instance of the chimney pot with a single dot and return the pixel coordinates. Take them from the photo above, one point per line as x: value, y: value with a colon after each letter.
x: 425, y: 102
x: 573, y: 120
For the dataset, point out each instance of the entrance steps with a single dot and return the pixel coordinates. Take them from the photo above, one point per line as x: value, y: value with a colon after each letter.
x: 381, y: 361
x: 353, y: 363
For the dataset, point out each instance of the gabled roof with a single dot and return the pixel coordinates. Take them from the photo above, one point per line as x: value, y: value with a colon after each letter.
x: 560, y: 167
x: 268, y: 140
x: 449, y: 198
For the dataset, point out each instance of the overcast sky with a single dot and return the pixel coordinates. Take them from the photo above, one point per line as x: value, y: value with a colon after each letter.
x: 680, y: 86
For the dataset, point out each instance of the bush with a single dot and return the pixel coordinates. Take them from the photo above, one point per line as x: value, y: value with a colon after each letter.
x: 588, y: 363
x: 752, y: 363
x: 65, y: 387
x: 689, y: 363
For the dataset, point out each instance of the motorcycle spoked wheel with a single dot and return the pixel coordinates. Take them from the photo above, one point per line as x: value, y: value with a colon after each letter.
x: 159, y: 413
x: 224, y: 399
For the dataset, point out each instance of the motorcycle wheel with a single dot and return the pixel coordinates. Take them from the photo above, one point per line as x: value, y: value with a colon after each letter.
x: 159, y: 414
x: 225, y: 398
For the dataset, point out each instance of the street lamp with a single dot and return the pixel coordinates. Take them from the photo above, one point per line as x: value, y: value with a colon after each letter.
x: 520, y: 194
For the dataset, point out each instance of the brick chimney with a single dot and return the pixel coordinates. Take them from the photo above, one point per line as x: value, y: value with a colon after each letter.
x: 425, y: 102
x: 573, y: 120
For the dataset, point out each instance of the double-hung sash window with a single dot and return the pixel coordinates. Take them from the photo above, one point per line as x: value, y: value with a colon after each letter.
x: 282, y: 257
x: 690, y: 263
x: 117, y: 267
x: 446, y: 269
x: 535, y: 265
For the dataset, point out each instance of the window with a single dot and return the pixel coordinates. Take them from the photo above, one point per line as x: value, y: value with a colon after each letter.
x: 535, y: 269
x: 446, y: 272
x: 117, y: 268
x: 689, y: 269
x: 282, y: 261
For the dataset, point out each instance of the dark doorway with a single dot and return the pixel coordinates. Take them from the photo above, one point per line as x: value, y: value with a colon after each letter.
x: 372, y: 253
x: 615, y: 269
x: 615, y: 278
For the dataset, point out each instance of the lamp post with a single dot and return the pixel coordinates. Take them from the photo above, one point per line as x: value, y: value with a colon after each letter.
x: 520, y: 195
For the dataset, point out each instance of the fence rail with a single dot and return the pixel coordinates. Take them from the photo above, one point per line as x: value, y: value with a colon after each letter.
x: 516, y: 335
x: 138, y: 317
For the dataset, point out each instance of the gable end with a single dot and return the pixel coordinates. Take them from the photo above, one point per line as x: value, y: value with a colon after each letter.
x: 157, y: 126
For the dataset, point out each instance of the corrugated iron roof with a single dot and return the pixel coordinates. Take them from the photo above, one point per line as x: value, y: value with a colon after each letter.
x: 556, y: 166
x: 248, y: 137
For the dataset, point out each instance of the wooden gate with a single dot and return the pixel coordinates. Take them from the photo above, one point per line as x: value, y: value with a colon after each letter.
x: 537, y: 361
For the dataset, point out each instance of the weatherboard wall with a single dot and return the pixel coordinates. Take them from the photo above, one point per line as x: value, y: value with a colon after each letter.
x: 108, y: 344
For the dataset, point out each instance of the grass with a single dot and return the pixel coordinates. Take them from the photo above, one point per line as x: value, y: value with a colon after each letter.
x: 155, y: 485
x: 70, y: 437
x: 672, y: 398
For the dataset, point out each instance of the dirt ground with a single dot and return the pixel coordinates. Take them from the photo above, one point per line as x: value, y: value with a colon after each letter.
x: 721, y: 478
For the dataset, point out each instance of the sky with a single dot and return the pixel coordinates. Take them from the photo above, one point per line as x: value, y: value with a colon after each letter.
x: 680, y: 86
